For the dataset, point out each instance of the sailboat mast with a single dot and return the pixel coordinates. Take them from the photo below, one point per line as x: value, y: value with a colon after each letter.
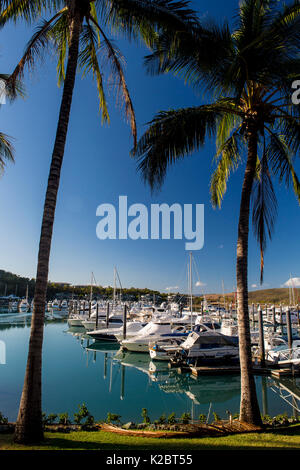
x: 223, y: 294
x: 191, y: 289
x: 114, y: 294
x: 91, y: 290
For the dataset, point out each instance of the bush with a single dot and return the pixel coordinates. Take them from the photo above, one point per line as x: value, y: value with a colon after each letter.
x: 83, y: 414
x: 64, y: 419
x: 185, y: 418
x: 216, y: 417
x: 50, y: 419
x: 162, y: 419
x: 172, y: 418
x: 111, y: 417
x: 3, y: 420
x: 266, y: 419
x: 145, y: 416
x: 202, y: 418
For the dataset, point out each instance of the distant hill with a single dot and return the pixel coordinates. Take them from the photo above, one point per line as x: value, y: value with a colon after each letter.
x: 264, y: 296
x: 11, y: 283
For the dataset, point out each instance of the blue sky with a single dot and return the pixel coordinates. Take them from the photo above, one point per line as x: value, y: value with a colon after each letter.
x: 97, y: 169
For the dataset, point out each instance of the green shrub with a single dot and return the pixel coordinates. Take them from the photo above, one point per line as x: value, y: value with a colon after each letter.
x: 3, y: 420
x: 145, y: 416
x: 172, y: 419
x: 50, y: 419
x: 111, y: 417
x: 162, y: 419
x: 64, y: 418
x: 82, y: 414
x: 185, y: 418
x: 266, y: 419
x: 202, y: 418
x: 216, y: 417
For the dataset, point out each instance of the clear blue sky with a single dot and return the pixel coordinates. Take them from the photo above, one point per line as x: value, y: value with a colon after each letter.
x: 97, y: 169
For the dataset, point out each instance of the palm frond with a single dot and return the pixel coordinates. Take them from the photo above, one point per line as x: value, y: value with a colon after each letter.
x: 88, y: 62
x: 264, y: 204
x: 60, y: 34
x: 118, y: 77
x: 143, y: 19
x: 229, y: 157
x: 28, y: 10
x: 173, y: 135
x: 6, y: 151
x: 199, y: 55
x: 10, y: 92
x: 34, y: 49
x: 280, y: 156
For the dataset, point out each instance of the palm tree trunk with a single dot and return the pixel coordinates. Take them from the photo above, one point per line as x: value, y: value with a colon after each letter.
x: 249, y: 409
x: 29, y: 423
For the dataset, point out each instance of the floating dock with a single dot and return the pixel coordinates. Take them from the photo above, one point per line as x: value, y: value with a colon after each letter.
x: 235, y: 370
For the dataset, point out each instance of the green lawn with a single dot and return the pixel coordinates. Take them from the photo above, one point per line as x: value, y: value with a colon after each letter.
x: 287, y: 438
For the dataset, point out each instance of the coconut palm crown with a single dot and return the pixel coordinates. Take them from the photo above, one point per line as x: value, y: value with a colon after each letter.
x: 246, y: 75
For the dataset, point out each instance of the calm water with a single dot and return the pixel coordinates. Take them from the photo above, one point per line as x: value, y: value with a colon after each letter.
x: 76, y: 370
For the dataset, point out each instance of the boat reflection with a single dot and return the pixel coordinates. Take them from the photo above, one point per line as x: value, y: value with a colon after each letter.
x: 199, y: 390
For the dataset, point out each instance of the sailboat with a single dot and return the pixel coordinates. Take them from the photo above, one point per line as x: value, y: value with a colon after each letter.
x: 24, y: 306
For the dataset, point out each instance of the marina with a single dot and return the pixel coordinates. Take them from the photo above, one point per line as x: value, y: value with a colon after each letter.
x: 96, y: 367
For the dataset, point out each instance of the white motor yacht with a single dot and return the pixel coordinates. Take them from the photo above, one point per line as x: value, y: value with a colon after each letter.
x: 207, y: 345
x: 116, y: 334
x: 157, y: 330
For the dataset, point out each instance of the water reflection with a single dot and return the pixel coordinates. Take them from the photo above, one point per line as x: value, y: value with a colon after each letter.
x: 205, y: 390
x: 77, y: 369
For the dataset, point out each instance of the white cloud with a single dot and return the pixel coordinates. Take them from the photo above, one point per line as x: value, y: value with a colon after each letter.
x: 254, y: 286
x: 292, y: 282
x: 221, y: 246
x: 172, y: 288
x: 200, y: 284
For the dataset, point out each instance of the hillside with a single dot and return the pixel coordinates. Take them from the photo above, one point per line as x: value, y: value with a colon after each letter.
x: 264, y: 296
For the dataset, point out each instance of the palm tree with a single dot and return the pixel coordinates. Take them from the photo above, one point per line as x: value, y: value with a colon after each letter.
x: 6, y: 146
x: 80, y: 41
x: 247, y: 74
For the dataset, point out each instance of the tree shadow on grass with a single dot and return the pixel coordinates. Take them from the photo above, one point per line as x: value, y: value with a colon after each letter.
x: 105, y: 442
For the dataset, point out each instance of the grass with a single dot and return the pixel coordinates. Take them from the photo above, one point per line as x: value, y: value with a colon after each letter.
x: 279, y: 439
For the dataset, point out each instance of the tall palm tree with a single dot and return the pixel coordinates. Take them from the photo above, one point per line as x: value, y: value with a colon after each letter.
x: 246, y: 74
x: 81, y: 41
